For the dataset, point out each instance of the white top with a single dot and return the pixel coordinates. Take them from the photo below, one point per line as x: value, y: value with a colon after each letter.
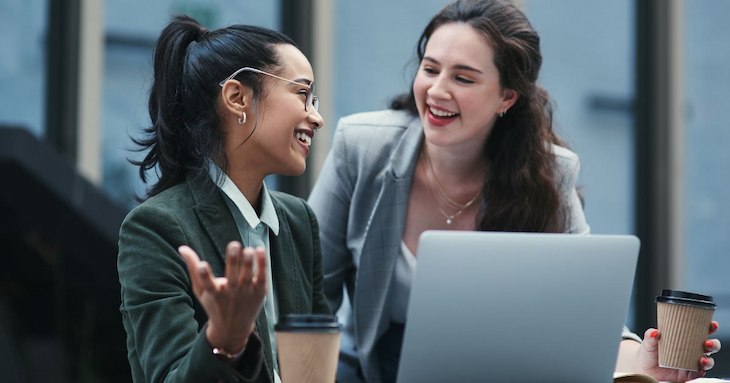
x: 254, y: 231
x: 400, y: 292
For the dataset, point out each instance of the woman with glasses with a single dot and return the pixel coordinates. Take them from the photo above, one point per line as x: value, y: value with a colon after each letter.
x: 211, y: 259
x: 471, y: 147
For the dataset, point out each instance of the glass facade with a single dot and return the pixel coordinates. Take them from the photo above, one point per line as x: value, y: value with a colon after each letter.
x: 23, y: 64
x: 588, y: 70
x: 706, y: 181
x: 370, y: 65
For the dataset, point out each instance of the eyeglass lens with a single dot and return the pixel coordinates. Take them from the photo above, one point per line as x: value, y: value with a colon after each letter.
x: 312, y: 100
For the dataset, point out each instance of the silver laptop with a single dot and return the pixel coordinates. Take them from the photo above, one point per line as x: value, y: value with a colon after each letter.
x: 509, y: 307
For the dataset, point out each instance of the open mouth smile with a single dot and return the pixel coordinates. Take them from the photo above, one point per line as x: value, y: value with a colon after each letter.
x: 441, y: 113
x: 304, y: 137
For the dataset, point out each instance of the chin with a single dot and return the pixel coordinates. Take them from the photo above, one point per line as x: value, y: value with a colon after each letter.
x: 292, y: 171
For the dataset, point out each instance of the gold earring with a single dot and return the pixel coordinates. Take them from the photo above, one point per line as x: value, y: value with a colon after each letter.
x: 242, y: 119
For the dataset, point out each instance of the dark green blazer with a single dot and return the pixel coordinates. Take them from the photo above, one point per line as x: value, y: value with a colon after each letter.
x: 163, y: 319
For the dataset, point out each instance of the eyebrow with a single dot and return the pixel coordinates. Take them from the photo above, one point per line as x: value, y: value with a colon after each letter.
x: 304, y: 81
x: 457, y: 66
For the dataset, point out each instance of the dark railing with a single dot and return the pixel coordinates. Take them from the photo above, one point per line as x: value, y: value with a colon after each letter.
x: 59, y: 290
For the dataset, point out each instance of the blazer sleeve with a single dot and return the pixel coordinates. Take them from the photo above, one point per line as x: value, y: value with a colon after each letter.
x: 330, y: 199
x: 568, y: 170
x: 164, y: 340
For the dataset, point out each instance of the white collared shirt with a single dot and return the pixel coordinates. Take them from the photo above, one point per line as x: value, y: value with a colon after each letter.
x: 254, y: 231
x: 400, y: 292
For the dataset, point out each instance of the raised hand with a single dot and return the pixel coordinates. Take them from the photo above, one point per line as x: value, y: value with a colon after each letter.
x: 232, y: 302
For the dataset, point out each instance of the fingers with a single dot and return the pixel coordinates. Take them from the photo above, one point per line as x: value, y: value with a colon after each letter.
x: 261, y: 267
x: 651, y: 338
x: 201, y: 276
x: 712, y: 346
x: 189, y: 256
x: 207, y: 280
x: 234, y: 263
x: 192, y: 262
x: 247, y: 266
x: 714, y: 326
x: 244, y: 266
x: 707, y: 362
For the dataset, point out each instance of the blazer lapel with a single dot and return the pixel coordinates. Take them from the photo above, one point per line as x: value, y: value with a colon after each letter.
x: 284, y: 261
x: 262, y: 329
x: 382, y: 241
x: 218, y: 224
x: 215, y: 218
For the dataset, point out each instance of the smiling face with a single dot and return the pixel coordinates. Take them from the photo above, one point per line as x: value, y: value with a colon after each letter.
x: 284, y: 130
x: 457, y: 88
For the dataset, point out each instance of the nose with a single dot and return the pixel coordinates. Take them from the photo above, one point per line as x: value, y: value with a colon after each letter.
x: 439, y: 88
x: 315, y: 120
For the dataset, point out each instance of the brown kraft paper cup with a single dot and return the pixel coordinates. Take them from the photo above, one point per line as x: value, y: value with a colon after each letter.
x: 683, y: 321
x: 308, y: 346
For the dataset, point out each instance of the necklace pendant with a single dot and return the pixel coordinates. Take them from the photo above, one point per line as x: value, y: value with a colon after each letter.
x: 448, y: 221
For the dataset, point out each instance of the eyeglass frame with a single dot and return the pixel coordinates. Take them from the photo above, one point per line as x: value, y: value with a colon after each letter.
x: 311, y: 99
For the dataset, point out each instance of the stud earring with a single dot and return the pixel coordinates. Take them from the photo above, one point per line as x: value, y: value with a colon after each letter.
x: 501, y: 114
x: 242, y: 119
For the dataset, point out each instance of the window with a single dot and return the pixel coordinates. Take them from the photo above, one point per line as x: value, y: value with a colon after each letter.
x: 706, y: 180
x: 22, y: 64
x: 590, y: 77
x: 371, y: 66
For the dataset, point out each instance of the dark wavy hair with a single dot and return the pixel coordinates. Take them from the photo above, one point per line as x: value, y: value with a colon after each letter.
x: 520, y: 191
x: 189, y: 62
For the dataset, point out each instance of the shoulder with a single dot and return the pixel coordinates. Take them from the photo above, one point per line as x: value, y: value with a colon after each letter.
x: 566, y: 160
x: 170, y: 199
x: 289, y: 204
x: 373, y: 127
x: 372, y: 136
x: 295, y: 216
x: 286, y: 199
x: 170, y: 208
x: 381, y: 118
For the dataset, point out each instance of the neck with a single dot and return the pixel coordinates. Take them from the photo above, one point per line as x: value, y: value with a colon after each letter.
x: 456, y: 167
x: 249, y: 185
x: 246, y: 175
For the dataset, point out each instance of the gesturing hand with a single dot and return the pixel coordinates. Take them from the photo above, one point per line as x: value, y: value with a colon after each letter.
x: 232, y: 302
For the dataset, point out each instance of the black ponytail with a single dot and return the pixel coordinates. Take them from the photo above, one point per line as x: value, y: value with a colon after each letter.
x: 189, y: 62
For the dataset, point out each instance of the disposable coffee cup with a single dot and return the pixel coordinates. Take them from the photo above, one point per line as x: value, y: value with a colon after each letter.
x: 308, y: 346
x: 684, y: 322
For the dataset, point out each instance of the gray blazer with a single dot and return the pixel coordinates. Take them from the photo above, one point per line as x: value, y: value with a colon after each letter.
x: 360, y: 200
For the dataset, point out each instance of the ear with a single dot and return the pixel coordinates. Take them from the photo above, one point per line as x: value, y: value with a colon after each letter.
x: 235, y: 98
x: 509, y: 98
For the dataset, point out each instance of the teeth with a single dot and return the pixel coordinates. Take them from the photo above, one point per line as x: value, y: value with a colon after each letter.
x: 303, y: 138
x: 441, y: 113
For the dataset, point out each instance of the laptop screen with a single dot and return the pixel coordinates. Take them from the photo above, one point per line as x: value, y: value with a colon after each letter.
x: 517, y: 307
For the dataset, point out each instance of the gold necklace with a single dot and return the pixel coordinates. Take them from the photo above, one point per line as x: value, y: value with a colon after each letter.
x: 441, y: 193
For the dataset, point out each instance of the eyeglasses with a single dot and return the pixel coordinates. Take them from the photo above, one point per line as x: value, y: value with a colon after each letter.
x: 311, y: 101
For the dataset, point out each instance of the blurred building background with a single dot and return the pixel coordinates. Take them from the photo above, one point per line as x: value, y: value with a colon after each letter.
x: 639, y: 87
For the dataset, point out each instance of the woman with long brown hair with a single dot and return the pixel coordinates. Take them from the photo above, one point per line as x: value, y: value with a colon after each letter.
x: 471, y: 147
